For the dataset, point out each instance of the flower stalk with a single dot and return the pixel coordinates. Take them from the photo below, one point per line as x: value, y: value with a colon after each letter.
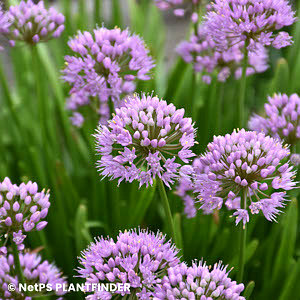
x: 241, y: 102
x: 242, y: 240
x: 167, y: 209
x: 18, y: 268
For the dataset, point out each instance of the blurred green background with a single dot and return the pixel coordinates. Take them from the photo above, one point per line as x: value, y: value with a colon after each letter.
x: 38, y: 142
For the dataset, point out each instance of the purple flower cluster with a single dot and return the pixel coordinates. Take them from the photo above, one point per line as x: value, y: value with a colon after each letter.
x: 106, y: 63
x: 147, y: 138
x: 198, y: 282
x: 248, y: 163
x: 4, y: 22
x: 185, y: 190
x: 32, y: 23
x: 202, y: 52
x: 139, y: 258
x: 180, y: 7
x: 22, y: 209
x: 34, y: 270
x: 78, y: 102
x: 295, y: 159
x: 256, y: 22
x: 282, y: 119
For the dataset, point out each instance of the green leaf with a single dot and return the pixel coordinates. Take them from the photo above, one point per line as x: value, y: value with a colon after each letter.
x: 249, y: 289
x: 82, y: 235
x: 142, y: 204
x: 175, y: 79
x: 288, y: 239
x: 250, y: 250
x: 281, y: 80
x: 291, y: 287
x: 178, y: 231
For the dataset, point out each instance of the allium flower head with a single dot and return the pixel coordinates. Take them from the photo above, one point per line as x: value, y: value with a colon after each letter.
x: 22, y: 209
x: 186, y: 190
x: 282, y: 119
x: 79, y: 102
x: 295, y: 159
x: 248, y: 162
x: 146, y: 138
x: 106, y: 63
x: 34, y: 270
x: 33, y: 23
x: 139, y: 258
x: 198, y: 282
x: 255, y: 21
x: 4, y: 21
x: 180, y: 7
x: 202, y: 52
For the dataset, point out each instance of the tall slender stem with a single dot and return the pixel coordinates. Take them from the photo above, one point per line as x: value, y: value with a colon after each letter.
x: 191, y: 103
x: 39, y: 90
x: 219, y: 117
x: 8, y: 97
x: 116, y: 13
x: 18, y: 268
x: 243, y: 234
x: 97, y: 11
x: 167, y: 208
x: 241, y: 102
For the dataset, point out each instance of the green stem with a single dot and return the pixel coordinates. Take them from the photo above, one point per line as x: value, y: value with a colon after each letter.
x: 243, y: 234
x: 67, y: 6
x: 8, y: 97
x: 97, y: 11
x: 39, y: 91
x: 191, y: 103
x: 116, y: 13
x: 219, y: 118
x: 241, y: 102
x: 82, y: 15
x: 18, y: 268
x: 167, y: 208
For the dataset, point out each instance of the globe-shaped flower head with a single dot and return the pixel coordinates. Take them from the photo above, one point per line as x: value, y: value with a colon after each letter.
x: 34, y: 270
x: 253, y: 21
x: 4, y: 22
x: 22, y: 209
x: 106, y: 63
x: 202, y: 52
x: 139, y: 258
x: 198, y: 282
x: 247, y: 164
x: 146, y: 138
x: 33, y: 23
x: 282, y: 119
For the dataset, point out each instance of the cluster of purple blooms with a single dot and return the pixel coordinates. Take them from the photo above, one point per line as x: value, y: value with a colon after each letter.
x: 35, y: 271
x: 22, y: 209
x: 180, y: 7
x: 255, y: 22
x: 31, y: 23
x: 147, y: 138
x: 4, y: 23
x: 106, y: 65
x: 202, y: 52
x: 198, y: 282
x: 282, y: 118
x: 242, y: 162
x: 138, y: 257
x: 80, y: 101
x: 151, y: 266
